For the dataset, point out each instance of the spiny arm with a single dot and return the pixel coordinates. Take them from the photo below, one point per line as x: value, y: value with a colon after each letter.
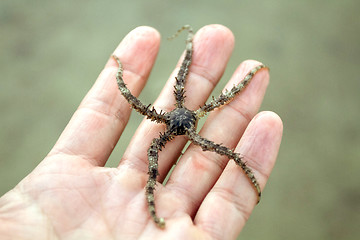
x: 133, y: 101
x: 208, y: 145
x: 153, y: 155
x: 184, y: 68
x: 227, y: 96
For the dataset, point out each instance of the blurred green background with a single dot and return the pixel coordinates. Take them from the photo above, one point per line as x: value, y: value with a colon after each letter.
x: 52, y: 51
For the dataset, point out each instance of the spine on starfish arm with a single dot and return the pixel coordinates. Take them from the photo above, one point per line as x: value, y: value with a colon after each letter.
x: 135, y: 103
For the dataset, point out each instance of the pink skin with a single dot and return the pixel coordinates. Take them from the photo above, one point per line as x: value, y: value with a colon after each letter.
x: 71, y: 195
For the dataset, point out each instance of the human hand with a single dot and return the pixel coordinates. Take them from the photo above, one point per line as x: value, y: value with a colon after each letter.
x: 71, y: 195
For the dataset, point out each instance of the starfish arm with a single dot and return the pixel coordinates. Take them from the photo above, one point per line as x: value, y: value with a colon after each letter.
x: 153, y: 151
x: 208, y: 145
x: 227, y: 96
x: 133, y: 101
x: 184, y: 68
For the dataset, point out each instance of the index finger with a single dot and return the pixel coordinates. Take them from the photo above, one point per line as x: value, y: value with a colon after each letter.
x: 97, y: 124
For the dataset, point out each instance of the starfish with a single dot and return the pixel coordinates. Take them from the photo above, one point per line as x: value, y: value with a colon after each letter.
x: 183, y: 121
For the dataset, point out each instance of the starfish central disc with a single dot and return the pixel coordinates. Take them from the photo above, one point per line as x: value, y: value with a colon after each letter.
x: 180, y: 120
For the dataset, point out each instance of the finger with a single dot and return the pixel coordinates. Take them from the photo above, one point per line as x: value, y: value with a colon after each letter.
x: 97, y: 124
x: 228, y: 205
x: 213, y: 45
x: 225, y: 125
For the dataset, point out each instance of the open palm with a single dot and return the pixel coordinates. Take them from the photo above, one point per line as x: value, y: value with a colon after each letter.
x: 71, y: 195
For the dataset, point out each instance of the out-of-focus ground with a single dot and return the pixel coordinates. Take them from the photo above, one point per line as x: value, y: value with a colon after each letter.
x: 52, y: 51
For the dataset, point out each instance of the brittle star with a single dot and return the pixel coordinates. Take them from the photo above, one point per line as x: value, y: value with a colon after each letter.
x: 183, y: 121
